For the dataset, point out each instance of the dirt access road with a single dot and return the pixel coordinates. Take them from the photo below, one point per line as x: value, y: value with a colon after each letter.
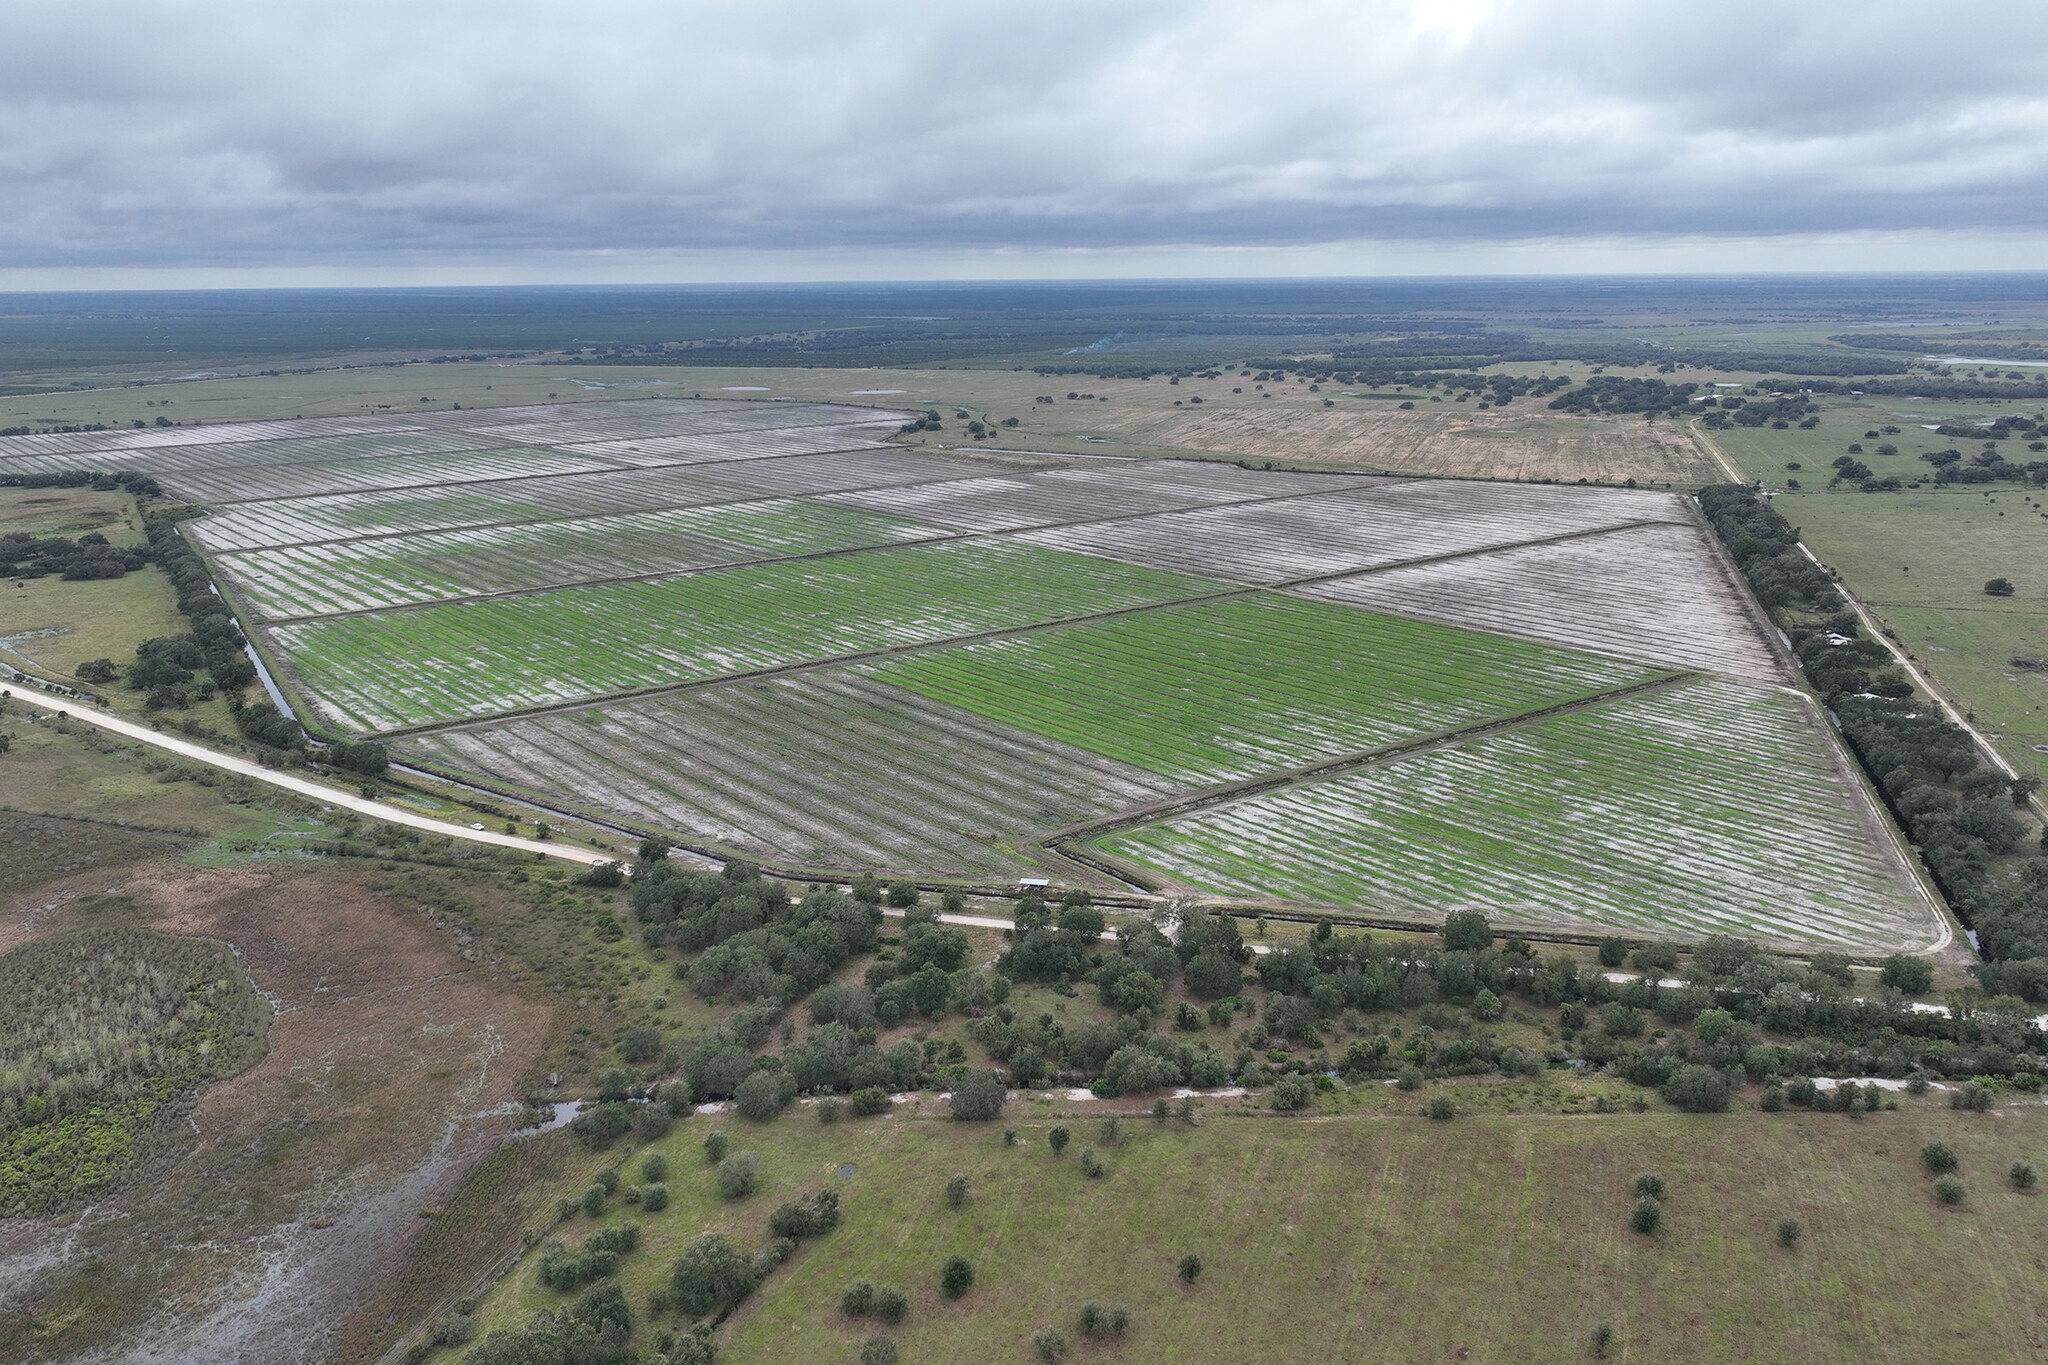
x: 318, y: 791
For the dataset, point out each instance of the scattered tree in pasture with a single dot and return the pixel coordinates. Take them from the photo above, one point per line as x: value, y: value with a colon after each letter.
x: 956, y: 1277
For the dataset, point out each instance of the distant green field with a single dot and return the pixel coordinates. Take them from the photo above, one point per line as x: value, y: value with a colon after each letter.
x: 459, y: 660
x: 1708, y: 808
x: 1216, y: 691
x: 1366, y: 1238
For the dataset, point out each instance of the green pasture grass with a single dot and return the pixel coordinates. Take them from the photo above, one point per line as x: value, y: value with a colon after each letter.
x: 1368, y: 1237
x: 70, y: 512
x: 1215, y: 691
x: 1920, y: 559
x: 1711, y: 808
x: 458, y: 660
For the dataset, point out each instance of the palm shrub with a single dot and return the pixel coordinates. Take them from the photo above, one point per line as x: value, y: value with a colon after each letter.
x: 1949, y: 1190
x: 1789, y: 1232
x: 1646, y: 1216
x: 1939, y: 1158
x: 2023, y: 1176
x: 1649, y: 1187
x: 1050, y: 1345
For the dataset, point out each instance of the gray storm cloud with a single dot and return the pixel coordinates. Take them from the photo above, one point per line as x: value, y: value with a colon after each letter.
x: 190, y: 133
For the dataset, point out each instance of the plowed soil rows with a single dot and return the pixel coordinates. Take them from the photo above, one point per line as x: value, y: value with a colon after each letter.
x: 1656, y: 593
x: 397, y: 570
x: 1715, y: 807
x: 827, y: 768
x: 1276, y: 541
x: 459, y: 660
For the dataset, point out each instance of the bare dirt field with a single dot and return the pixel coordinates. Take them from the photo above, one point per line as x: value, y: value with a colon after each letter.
x: 271, y: 1225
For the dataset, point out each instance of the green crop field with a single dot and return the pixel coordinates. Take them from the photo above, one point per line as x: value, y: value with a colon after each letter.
x: 459, y: 660
x: 1216, y: 691
x: 1713, y: 807
x: 1367, y: 1239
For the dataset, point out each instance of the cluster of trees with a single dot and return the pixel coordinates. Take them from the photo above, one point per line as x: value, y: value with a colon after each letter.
x: 598, y: 1256
x: 591, y: 1331
x: 1607, y: 393
x: 1900, y: 341
x: 1962, y: 814
x: 1986, y: 466
x: 88, y: 557
x: 1780, y: 412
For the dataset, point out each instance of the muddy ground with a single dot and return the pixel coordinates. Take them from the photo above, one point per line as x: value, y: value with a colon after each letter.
x: 281, y: 1219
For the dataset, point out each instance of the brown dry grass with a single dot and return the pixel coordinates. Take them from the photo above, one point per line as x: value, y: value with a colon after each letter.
x: 387, y: 1053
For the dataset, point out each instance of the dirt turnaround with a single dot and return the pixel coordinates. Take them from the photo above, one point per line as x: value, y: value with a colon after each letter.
x: 273, y: 1223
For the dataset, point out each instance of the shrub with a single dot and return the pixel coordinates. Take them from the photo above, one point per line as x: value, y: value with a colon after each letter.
x: 1058, y: 1139
x: 640, y: 1045
x: 1091, y: 1164
x: 1939, y: 1158
x: 1649, y: 1187
x: 651, y: 1122
x: 1441, y: 1108
x: 736, y: 1175
x: 593, y: 1200
x: 859, y: 1299
x: 957, y: 1277
x: 956, y: 1191
x: 1467, y: 931
x: 1603, y: 1341
x: 1409, y: 1079
x: 1949, y: 1190
x: 760, y: 1096
x: 1486, y: 1006
x: 1190, y: 1268
x: 891, y: 1305
x: 1789, y: 1232
x: 600, y: 1125
x: 768, y: 1258
x: 1913, y: 975
x: 812, y: 1216
x: 609, y: 1179
x: 1103, y: 1324
x: 654, y: 1198
x: 1700, y: 1089
x: 1974, y: 1097
x: 1050, y: 1345
x: 1772, y: 1101
x: 2022, y: 1175
x: 1802, y: 1091
x: 454, y: 1329
x: 871, y: 1100
x: 1646, y: 1216
x: 715, y: 1145
x: 710, y: 1275
x: 979, y: 1096
x: 1613, y: 951
x: 878, y: 1351
x: 1293, y: 1092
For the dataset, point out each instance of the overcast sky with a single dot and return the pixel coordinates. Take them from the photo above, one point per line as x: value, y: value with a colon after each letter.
x: 371, y: 142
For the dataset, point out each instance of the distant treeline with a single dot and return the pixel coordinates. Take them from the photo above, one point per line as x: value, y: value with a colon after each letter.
x: 1932, y: 345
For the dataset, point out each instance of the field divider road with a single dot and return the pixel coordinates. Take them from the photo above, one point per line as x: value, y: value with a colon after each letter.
x: 1223, y: 592
x: 85, y: 714
x: 1061, y: 840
